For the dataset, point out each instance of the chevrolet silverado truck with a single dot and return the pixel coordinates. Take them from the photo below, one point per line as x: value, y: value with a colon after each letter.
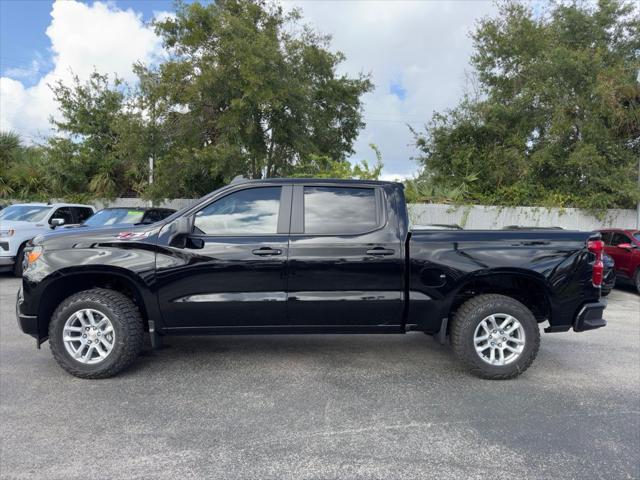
x: 306, y: 256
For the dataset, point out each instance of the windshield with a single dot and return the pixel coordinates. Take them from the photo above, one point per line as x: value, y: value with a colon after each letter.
x: 25, y: 213
x: 115, y: 216
x: 636, y: 236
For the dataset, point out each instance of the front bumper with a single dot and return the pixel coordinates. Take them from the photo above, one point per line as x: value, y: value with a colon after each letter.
x: 590, y: 317
x: 27, y: 323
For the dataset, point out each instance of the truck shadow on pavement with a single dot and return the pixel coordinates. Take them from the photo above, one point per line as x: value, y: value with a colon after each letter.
x: 395, y: 352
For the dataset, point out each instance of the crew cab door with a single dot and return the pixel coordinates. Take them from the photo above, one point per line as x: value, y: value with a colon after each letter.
x: 231, y: 270
x: 345, y: 259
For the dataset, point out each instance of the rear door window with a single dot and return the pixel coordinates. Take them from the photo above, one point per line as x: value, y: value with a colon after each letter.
x: 339, y: 210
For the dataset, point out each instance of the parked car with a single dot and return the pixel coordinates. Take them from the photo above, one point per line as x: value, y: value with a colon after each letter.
x: 624, y: 247
x: 20, y: 222
x: 307, y: 256
x: 122, y: 216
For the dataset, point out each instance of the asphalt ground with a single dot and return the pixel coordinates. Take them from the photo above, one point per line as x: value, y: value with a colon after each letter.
x: 323, y: 407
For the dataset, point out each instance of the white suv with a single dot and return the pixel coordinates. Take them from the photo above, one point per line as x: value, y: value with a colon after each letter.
x: 20, y: 222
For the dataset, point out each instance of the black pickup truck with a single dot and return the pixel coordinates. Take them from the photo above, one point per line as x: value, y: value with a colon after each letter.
x: 306, y: 256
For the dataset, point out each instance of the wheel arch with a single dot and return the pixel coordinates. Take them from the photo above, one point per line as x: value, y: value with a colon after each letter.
x: 527, y: 287
x: 67, y: 283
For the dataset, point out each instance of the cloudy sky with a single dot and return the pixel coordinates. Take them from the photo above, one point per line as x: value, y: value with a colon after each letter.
x: 417, y: 53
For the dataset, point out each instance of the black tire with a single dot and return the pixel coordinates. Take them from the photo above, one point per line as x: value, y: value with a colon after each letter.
x: 636, y: 280
x: 471, y: 314
x: 17, y: 266
x: 127, y: 325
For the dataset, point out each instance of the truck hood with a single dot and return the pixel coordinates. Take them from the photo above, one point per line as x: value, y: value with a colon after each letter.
x: 18, y: 225
x: 87, y: 237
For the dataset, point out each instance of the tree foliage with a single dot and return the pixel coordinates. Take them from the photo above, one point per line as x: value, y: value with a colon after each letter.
x: 21, y: 169
x: 98, y: 149
x: 321, y: 166
x: 556, y: 121
x: 250, y: 91
x: 247, y: 89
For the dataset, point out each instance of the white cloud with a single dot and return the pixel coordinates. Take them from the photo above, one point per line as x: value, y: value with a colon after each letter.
x: 83, y: 38
x: 422, y: 45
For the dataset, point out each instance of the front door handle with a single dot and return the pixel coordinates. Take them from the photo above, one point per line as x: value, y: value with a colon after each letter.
x: 266, y: 251
x: 379, y: 251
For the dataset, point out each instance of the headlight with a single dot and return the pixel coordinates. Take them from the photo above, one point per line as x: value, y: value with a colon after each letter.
x: 7, y: 233
x: 33, y: 255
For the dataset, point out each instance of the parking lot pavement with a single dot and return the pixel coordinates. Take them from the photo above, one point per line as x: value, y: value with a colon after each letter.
x: 385, y: 406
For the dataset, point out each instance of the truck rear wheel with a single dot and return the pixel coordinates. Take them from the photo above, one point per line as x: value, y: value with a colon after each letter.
x: 495, y: 336
x: 96, y: 333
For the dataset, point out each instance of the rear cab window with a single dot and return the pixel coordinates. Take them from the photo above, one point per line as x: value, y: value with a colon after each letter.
x: 341, y: 210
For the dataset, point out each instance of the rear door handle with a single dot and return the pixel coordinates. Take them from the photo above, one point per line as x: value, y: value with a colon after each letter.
x: 379, y: 251
x: 266, y: 251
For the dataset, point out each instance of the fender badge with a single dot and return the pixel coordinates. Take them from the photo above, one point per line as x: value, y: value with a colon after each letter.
x: 133, y: 235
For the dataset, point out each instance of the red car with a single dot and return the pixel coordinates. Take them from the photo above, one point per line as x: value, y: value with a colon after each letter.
x: 624, y: 247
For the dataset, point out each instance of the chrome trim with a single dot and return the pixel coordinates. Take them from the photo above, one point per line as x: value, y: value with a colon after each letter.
x: 351, y: 295
x: 234, y: 297
x: 306, y: 296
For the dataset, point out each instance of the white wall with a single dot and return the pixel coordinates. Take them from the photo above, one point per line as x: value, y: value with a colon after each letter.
x: 488, y: 217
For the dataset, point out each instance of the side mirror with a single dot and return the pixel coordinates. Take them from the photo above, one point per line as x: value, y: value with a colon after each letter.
x: 625, y: 246
x: 182, y: 226
x: 179, y: 229
x: 56, y: 222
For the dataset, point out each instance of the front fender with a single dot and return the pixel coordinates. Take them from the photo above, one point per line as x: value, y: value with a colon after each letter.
x: 47, y: 282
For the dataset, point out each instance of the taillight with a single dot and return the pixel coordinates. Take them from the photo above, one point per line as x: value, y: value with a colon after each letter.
x: 597, y: 247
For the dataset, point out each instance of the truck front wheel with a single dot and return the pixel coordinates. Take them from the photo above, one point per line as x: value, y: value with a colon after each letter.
x: 495, y: 336
x: 96, y: 333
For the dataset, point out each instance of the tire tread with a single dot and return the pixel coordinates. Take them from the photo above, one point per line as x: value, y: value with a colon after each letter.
x: 132, y: 323
x: 465, y: 315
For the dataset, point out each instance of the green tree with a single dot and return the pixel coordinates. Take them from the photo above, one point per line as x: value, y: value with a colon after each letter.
x: 321, y: 166
x: 22, y: 169
x: 97, y: 149
x: 557, y: 118
x: 247, y: 90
